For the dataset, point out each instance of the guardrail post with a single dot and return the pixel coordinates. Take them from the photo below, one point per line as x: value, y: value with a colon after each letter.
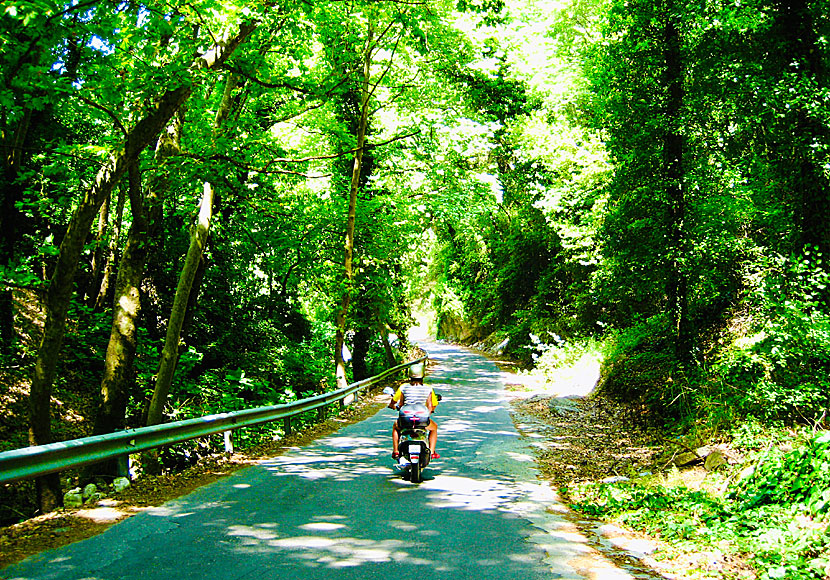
x: 122, y: 466
x: 286, y: 426
x: 228, y: 442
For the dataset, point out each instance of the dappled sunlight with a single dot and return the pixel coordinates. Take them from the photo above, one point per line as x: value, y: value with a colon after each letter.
x: 485, y: 409
x: 340, y: 467
x: 469, y: 494
x: 177, y: 510
x: 322, y: 526
x: 473, y: 422
x: 344, y: 552
x: 361, y: 444
x: 252, y: 532
x: 332, y: 546
x: 102, y: 515
x: 475, y: 507
x: 328, y: 543
x: 466, y: 403
x: 340, y: 458
x: 455, y: 426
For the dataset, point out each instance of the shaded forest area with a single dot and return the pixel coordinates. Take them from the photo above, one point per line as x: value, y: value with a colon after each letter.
x: 676, y: 212
x: 203, y: 204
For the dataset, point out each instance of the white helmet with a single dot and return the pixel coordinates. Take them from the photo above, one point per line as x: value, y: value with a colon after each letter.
x: 416, y: 371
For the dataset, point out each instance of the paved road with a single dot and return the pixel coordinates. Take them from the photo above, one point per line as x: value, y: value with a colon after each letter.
x: 337, y: 510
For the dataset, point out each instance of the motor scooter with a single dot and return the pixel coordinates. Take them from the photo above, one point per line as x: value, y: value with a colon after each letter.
x: 413, y: 444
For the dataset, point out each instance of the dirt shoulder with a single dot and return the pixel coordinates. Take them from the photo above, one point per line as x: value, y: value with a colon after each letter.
x: 578, y: 435
x: 587, y: 437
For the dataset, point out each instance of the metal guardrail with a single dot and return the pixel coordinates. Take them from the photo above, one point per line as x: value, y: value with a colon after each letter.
x: 38, y: 460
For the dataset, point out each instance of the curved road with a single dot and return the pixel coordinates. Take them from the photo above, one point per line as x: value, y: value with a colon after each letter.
x: 337, y: 510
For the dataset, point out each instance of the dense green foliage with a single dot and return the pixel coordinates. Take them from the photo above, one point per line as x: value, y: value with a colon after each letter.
x: 273, y: 130
x: 665, y: 196
x: 774, y: 515
x: 642, y: 182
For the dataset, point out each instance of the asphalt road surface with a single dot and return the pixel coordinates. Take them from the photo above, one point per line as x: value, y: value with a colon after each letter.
x: 338, y: 510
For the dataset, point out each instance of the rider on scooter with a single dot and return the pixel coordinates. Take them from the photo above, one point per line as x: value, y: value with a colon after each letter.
x: 415, y: 391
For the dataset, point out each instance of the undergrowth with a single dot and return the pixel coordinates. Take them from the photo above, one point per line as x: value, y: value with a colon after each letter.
x: 772, y: 514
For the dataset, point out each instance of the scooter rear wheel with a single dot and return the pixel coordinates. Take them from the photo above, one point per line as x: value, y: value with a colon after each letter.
x: 415, y: 473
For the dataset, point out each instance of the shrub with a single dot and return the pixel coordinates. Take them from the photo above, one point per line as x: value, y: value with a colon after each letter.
x: 799, y: 478
x: 780, y: 370
x: 775, y: 516
x: 640, y: 367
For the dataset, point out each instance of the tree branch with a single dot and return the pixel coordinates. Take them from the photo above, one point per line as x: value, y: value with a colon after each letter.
x: 264, y: 170
x: 109, y: 113
x: 393, y: 139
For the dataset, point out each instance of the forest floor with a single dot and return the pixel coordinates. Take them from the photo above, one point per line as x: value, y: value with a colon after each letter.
x: 589, y: 439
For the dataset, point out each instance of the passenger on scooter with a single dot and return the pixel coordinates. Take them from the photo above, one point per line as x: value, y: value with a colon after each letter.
x: 415, y: 391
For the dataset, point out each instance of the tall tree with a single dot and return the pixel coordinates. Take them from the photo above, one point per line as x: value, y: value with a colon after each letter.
x: 644, y: 230
x: 31, y: 86
x: 391, y: 31
x: 674, y: 172
x: 60, y: 289
x: 797, y: 61
x: 182, y: 298
x: 348, y: 243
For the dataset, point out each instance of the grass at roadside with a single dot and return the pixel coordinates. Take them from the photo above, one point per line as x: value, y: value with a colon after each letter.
x: 770, y: 513
x: 763, y: 514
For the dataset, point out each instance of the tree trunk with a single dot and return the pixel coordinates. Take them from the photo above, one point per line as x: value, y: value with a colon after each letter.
x: 111, y: 253
x: 118, y: 365
x: 801, y: 55
x: 360, y: 349
x: 191, y: 269
x: 9, y: 217
x: 12, y: 192
x: 340, y: 320
x: 61, y: 284
x: 170, y: 352
x: 97, y: 264
x: 673, y: 168
x: 198, y: 280
x: 387, y: 347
